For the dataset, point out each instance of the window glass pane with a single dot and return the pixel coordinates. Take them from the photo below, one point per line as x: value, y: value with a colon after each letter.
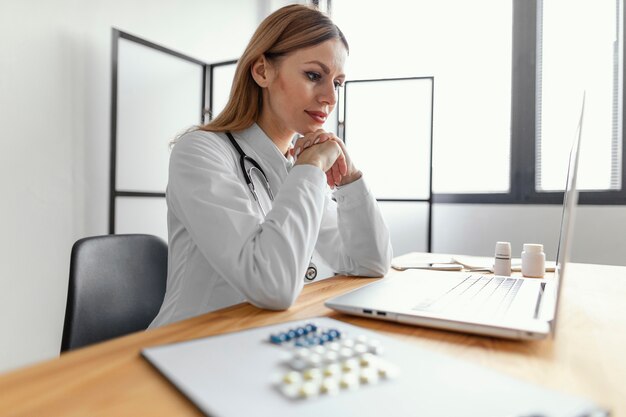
x: 579, y: 51
x: 408, y: 225
x: 466, y: 46
x: 159, y: 96
x: 391, y: 146
x: 222, y: 81
x: 141, y: 215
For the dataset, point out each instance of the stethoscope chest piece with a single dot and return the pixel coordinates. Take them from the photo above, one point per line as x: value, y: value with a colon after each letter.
x: 311, y: 272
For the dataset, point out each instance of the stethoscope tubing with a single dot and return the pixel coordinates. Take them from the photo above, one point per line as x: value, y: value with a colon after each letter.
x: 246, y: 176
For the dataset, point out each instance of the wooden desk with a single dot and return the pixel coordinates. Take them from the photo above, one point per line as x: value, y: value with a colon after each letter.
x: 111, y: 378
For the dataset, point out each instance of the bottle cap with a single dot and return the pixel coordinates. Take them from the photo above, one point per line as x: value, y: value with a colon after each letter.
x: 533, y: 247
x: 503, y: 249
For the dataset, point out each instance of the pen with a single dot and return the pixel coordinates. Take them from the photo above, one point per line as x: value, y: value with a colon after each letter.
x: 433, y: 266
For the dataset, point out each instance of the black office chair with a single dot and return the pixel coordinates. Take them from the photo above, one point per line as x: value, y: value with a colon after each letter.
x: 116, y: 287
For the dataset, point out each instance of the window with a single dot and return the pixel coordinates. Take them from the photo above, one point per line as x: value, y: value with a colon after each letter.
x: 222, y: 75
x: 156, y: 92
x: 468, y: 52
x: 374, y: 140
x: 579, y: 49
x: 404, y: 124
x: 510, y: 77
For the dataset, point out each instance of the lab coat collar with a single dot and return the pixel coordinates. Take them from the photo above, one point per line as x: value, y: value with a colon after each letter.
x: 256, y: 138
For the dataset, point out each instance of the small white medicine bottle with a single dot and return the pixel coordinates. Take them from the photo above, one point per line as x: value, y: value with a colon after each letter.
x: 502, y: 261
x: 533, y: 260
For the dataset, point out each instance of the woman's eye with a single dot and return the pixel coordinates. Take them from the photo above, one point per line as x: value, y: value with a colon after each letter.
x: 338, y: 84
x: 313, y: 76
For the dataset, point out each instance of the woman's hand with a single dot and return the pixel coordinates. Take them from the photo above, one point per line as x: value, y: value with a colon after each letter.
x: 343, y: 171
x: 327, y: 156
x: 352, y: 174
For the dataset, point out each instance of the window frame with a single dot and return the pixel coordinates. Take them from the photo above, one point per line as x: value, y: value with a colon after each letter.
x: 523, y: 126
x: 341, y: 129
x: 114, y: 192
x: 205, y: 111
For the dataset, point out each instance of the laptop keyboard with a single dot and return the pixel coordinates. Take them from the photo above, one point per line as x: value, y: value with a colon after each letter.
x: 475, y: 295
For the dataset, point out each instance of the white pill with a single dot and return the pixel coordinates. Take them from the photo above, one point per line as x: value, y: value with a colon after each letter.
x: 331, y: 356
x: 350, y: 365
x: 329, y: 386
x: 375, y: 347
x: 292, y: 377
x: 347, y: 343
x: 319, y: 350
x: 332, y: 370
x: 290, y: 391
x: 368, y: 376
x: 349, y: 381
x: 309, y: 389
x: 312, y: 374
x: 298, y: 364
x: 367, y: 359
x: 301, y: 353
x: 360, y: 348
x: 346, y: 353
x: 334, y: 346
x: 314, y: 359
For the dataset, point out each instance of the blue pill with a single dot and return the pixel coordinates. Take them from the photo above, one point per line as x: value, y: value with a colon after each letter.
x: 310, y: 327
x: 300, y: 331
x: 314, y: 341
x: 292, y: 334
x: 276, y: 339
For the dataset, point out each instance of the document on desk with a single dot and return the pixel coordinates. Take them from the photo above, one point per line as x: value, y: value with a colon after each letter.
x: 324, y: 367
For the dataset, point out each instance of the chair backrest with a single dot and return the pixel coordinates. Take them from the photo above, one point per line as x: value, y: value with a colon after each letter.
x: 116, y: 286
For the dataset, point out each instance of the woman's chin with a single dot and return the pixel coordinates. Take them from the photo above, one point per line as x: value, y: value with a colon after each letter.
x: 310, y: 127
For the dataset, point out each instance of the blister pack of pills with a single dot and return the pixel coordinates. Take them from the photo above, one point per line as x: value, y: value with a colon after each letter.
x: 325, y: 362
x: 326, y: 367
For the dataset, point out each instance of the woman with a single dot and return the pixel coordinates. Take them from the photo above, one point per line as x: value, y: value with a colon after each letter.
x: 228, y: 243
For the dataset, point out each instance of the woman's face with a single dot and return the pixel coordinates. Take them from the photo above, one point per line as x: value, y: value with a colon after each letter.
x: 302, y: 87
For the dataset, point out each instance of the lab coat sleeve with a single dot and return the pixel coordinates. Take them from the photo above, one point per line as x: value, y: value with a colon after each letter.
x: 264, y: 260
x: 354, y: 239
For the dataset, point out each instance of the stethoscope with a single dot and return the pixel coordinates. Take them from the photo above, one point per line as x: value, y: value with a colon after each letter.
x: 311, y: 272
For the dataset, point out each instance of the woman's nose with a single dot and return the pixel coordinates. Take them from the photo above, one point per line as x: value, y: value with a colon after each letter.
x: 328, y: 95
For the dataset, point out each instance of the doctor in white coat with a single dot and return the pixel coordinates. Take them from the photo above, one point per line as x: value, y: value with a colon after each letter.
x: 247, y: 207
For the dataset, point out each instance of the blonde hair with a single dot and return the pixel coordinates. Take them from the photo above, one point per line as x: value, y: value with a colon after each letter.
x: 286, y: 30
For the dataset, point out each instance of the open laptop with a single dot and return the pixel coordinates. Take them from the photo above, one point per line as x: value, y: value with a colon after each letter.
x: 509, y: 307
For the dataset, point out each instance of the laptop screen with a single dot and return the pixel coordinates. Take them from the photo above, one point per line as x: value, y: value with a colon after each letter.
x: 570, y: 200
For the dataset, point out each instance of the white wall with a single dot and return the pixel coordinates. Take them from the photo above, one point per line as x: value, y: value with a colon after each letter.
x: 472, y: 229
x: 55, y: 62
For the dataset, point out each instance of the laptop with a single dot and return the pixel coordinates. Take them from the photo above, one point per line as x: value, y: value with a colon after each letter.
x: 508, y: 307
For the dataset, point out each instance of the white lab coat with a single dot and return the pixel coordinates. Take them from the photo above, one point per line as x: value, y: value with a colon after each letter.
x: 223, y: 251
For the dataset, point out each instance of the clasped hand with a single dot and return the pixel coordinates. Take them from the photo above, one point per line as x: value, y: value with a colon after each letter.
x: 326, y: 151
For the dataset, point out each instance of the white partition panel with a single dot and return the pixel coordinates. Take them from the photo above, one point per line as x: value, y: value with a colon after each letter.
x: 159, y: 96
x: 331, y: 122
x: 221, y: 83
x: 141, y: 215
x: 333, y: 118
x: 388, y: 133
x: 408, y: 225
